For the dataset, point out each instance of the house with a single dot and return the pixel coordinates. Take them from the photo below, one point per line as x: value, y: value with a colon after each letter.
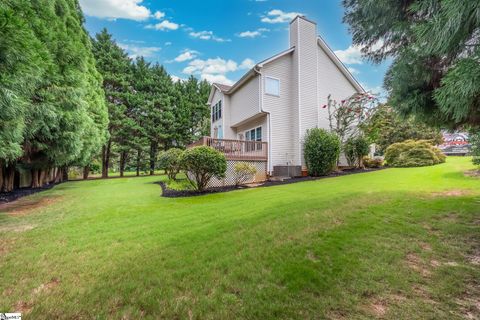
x: 279, y: 99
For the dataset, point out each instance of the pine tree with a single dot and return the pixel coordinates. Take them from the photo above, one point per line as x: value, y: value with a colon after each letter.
x: 59, y: 110
x: 435, y: 46
x: 115, y: 66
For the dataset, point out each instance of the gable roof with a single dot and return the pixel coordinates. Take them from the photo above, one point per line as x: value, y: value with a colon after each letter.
x: 222, y: 87
x: 255, y: 70
x: 339, y: 64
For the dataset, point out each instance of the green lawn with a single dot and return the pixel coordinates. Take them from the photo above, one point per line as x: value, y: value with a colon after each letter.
x: 394, y: 244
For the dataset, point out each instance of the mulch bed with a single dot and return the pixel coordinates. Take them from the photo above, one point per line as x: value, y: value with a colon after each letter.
x: 23, y: 192
x: 169, y: 193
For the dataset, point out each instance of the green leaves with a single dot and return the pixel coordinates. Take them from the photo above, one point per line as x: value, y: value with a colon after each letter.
x: 321, y: 150
x: 435, y: 49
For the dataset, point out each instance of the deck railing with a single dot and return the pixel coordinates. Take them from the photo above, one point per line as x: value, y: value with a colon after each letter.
x: 236, y: 149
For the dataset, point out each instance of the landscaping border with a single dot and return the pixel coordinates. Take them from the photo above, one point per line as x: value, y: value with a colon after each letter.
x: 170, y: 193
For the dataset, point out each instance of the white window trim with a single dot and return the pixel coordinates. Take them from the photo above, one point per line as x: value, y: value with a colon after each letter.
x: 279, y: 86
x: 254, y: 128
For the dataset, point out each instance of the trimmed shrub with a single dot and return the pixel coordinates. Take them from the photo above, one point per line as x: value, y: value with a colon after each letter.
x: 170, y: 162
x: 413, y: 153
x: 201, y: 164
x: 355, y: 149
x: 375, y: 162
x: 243, y: 172
x: 321, y: 151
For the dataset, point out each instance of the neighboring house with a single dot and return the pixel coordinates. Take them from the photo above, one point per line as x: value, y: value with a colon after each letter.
x: 279, y: 99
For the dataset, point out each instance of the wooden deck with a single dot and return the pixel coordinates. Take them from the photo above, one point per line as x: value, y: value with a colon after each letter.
x: 236, y: 149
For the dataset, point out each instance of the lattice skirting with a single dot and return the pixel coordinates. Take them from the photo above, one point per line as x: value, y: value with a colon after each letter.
x: 230, y: 176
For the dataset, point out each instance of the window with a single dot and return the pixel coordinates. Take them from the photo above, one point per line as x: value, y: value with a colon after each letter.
x: 254, y: 135
x: 272, y: 86
x: 217, y: 111
x: 258, y: 135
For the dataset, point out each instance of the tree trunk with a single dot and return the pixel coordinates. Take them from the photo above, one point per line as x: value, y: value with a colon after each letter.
x: 123, y: 162
x: 86, y: 172
x: 153, y: 156
x: 59, y: 175
x: 106, y: 158
x: 65, y: 173
x: 138, y: 162
x: 41, y: 178
x: 1, y: 175
x: 35, y: 182
x: 9, y: 178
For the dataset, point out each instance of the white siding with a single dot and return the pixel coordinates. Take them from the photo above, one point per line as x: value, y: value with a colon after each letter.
x: 282, y: 111
x: 330, y: 81
x: 244, y: 103
x: 255, y: 123
x: 228, y: 132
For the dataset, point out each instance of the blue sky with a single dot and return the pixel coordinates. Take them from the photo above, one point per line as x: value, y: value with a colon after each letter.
x: 220, y: 40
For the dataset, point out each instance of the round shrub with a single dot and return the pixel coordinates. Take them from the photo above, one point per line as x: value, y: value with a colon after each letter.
x: 413, y: 153
x: 244, y: 172
x: 375, y: 162
x: 201, y: 164
x: 321, y: 151
x: 170, y: 162
x: 355, y: 149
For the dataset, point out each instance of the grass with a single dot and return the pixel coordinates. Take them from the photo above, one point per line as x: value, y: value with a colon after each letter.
x: 392, y: 244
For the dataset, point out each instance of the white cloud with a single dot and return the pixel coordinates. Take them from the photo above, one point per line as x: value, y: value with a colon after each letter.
x: 253, y: 34
x: 216, y: 78
x: 217, y: 65
x: 136, y: 51
x: 207, y: 35
x: 186, y: 55
x: 115, y: 9
x: 164, y: 25
x: 351, y: 55
x: 168, y: 43
x: 159, y: 15
x: 278, y: 16
x: 247, y: 64
x: 215, y: 70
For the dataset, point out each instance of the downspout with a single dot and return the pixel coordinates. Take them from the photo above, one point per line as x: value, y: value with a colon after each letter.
x: 256, y: 69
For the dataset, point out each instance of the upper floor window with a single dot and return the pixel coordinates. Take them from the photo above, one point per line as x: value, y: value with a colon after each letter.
x: 272, y: 86
x: 217, y: 111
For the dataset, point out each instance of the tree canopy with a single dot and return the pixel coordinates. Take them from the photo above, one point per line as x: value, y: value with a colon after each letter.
x: 435, y: 74
x: 52, y: 110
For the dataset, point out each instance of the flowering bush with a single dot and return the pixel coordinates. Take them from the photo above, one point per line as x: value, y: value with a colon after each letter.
x: 346, y: 118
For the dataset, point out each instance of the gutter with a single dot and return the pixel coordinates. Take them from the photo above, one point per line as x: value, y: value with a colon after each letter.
x: 256, y: 69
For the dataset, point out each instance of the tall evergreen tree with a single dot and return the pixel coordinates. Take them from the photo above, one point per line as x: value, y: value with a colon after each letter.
x: 435, y: 46
x: 58, y: 111
x: 114, y: 65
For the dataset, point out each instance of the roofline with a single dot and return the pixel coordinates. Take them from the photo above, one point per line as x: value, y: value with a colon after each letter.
x: 212, y: 90
x: 301, y: 16
x: 254, y: 71
x: 275, y: 57
x: 339, y: 64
